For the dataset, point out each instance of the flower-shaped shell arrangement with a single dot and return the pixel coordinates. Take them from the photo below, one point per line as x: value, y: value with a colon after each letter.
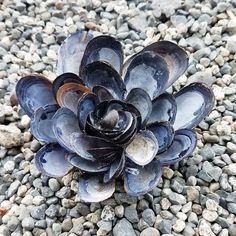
x: 112, y: 119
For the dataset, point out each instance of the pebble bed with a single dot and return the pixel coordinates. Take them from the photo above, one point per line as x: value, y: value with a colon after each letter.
x: 195, y: 197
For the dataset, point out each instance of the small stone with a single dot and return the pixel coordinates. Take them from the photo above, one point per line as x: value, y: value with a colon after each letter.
x: 123, y: 227
x: 119, y: 211
x: 9, y: 166
x: 12, y: 223
x: 38, y: 212
x: 207, y: 153
x: 108, y: 213
x: 188, y: 231
x: 13, y: 188
x: 178, y: 226
x: 165, y: 203
x: 38, y: 67
x: 56, y: 227
x: 211, y: 205
x: 205, y: 229
x: 28, y: 223
x: 216, y: 228
x: 167, y: 172
x: 138, y: 22
x: 22, y: 191
x: 54, y: 185
x: 64, y: 192
x: 176, y: 198
x: 104, y: 226
x: 149, y: 216
x: 52, y: 211
x: 165, y: 226
x: 231, y: 207
x: 67, y: 224
x: 210, y: 216
x: 25, y: 121
x: 150, y: 232
x: 10, y: 136
x: 232, y: 230
x: 131, y: 214
x: 231, y: 44
x: 231, y: 169
x: 223, y: 222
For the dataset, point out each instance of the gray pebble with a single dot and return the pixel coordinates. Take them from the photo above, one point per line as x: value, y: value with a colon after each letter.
x: 38, y: 212
x: 165, y: 226
x: 28, y: 223
x: 123, y: 227
x: 149, y: 217
x: 131, y: 214
x: 150, y: 232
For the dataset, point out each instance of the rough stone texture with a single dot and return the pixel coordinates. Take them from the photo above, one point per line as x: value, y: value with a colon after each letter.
x: 10, y: 136
x: 123, y: 227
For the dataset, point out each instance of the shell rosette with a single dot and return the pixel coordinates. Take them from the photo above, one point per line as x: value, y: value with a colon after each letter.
x: 113, y: 119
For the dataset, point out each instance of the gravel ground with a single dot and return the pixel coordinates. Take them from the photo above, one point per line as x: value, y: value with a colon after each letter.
x: 195, y: 197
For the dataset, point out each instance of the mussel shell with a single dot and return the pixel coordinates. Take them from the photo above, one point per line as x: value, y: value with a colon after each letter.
x: 164, y: 109
x: 64, y: 124
x: 71, y: 52
x: 63, y: 79
x: 142, y: 179
x: 115, y: 170
x: 86, y: 165
x: 164, y: 134
x: 175, y: 57
x: 50, y: 160
x: 102, y: 74
x: 182, y: 146
x: 104, y: 48
x: 82, y: 143
x: 41, y: 124
x: 92, y: 189
x: 140, y: 99
x: 86, y: 105
x: 147, y: 71
x: 102, y: 93
x: 69, y: 95
x: 194, y: 102
x: 143, y: 148
x: 33, y: 92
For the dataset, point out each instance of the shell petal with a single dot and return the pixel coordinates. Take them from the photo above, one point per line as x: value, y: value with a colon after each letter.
x: 71, y: 52
x: 140, y: 99
x: 195, y: 102
x: 33, y: 92
x: 175, y: 57
x: 91, y: 189
x: 143, y: 148
x: 69, y: 95
x: 86, y: 165
x: 41, y: 124
x: 164, y: 134
x: 147, y: 71
x: 182, y: 146
x: 86, y: 105
x: 51, y: 161
x: 115, y: 170
x: 104, y: 48
x: 82, y: 143
x: 63, y: 79
x: 140, y: 180
x: 64, y: 124
x: 102, y: 74
x: 164, y: 109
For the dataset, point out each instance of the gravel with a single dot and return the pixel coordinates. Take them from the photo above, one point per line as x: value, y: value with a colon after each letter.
x: 194, y: 197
